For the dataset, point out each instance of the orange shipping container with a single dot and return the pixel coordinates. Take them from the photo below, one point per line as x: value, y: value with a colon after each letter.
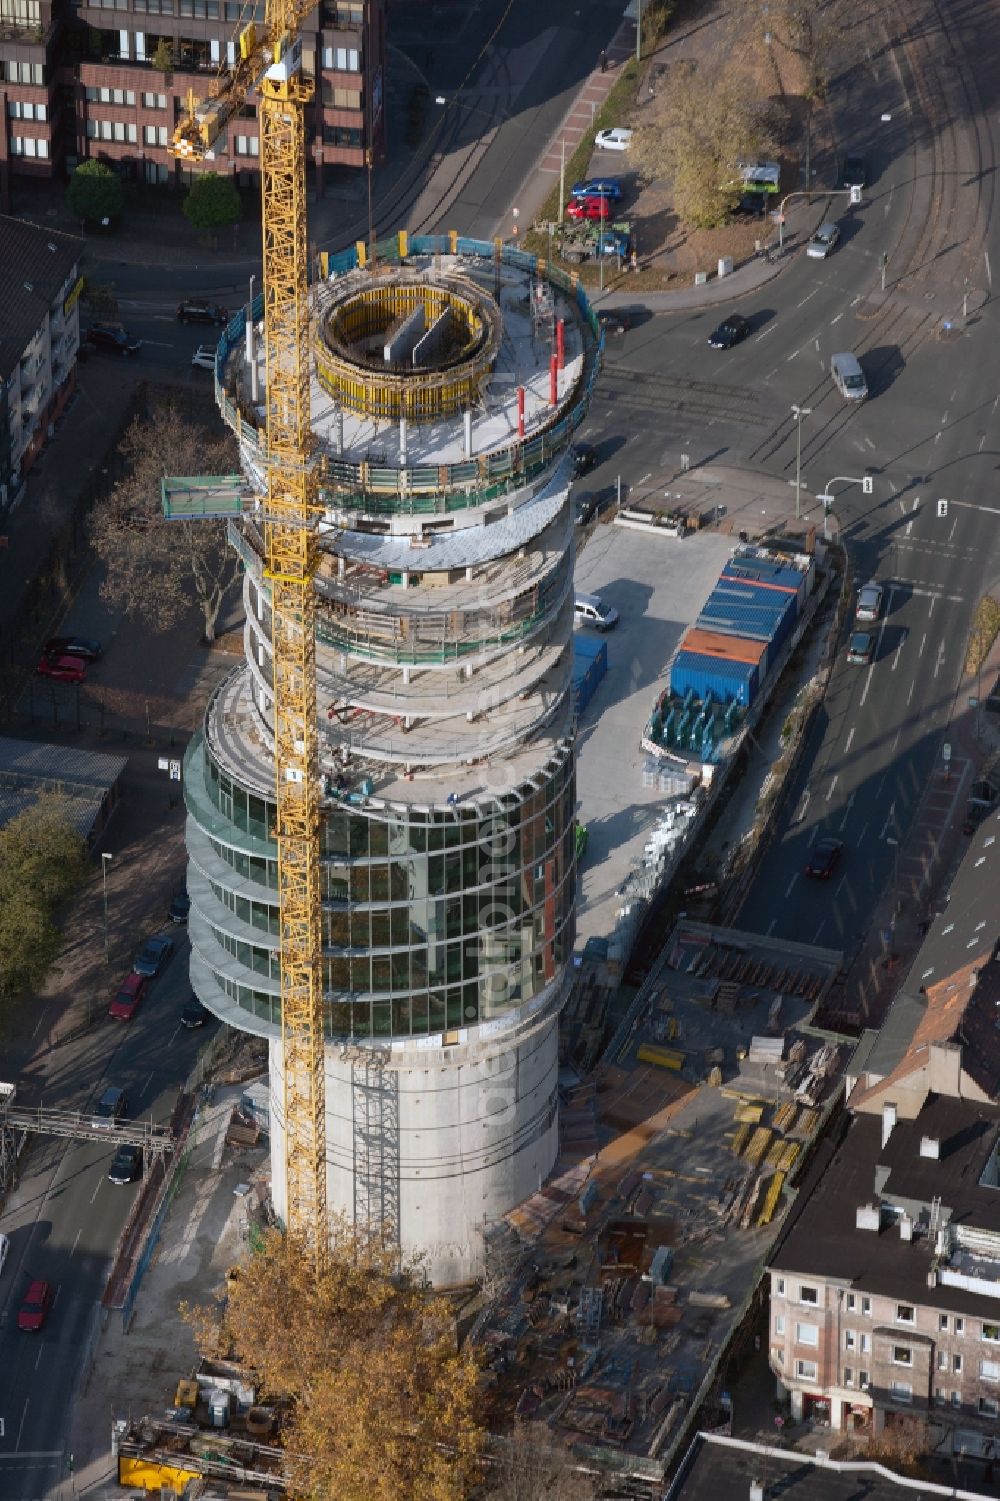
x: 731, y: 648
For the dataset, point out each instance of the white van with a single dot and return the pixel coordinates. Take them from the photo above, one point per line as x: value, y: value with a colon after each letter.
x: 590, y: 609
x: 848, y: 377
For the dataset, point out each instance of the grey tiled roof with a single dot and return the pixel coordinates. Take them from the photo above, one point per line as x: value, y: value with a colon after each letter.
x: 34, y: 264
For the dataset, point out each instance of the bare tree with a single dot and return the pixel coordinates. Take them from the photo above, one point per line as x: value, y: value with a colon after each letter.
x: 156, y: 568
x: 707, y: 121
x: 815, y: 32
x: 530, y: 1463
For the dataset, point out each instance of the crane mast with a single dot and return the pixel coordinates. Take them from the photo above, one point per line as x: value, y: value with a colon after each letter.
x: 271, y: 64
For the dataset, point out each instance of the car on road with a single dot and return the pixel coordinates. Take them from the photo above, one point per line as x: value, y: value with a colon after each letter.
x: 74, y: 646
x: 126, y: 1002
x: 112, y: 339
x: 204, y: 358
x: 824, y: 858
x: 616, y: 139
x: 127, y: 1164
x: 35, y: 1308
x: 180, y: 906
x: 590, y: 609
x: 4, y: 1249
x: 153, y: 956
x: 588, y: 208
x: 861, y: 648
x: 200, y: 310
x: 597, y: 187
x: 109, y: 1109
x: 854, y: 173
x: 869, y: 602
x: 194, y: 1013
x: 732, y: 330
x: 591, y: 503
x: 63, y: 669
x: 823, y: 242
x: 615, y: 320
x: 584, y: 457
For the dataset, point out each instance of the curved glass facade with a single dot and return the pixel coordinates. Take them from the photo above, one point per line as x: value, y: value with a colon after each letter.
x: 433, y: 918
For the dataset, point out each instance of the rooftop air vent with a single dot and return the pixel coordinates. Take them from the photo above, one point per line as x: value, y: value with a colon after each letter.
x: 869, y: 1217
x: 930, y: 1146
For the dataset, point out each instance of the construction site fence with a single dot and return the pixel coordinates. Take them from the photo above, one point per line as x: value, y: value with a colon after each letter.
x: 439, y: 488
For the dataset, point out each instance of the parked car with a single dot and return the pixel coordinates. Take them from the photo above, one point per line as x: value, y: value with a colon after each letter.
x: 126, y: 1002
x: 729, y: 332
x: 609, y: 187
x: 823, y: 242
x: 153, y: 956
x: 588, y: 208
x: 615, y: 320
x: 109, y: 1109
x: 824, y: 858
x: 869, y: 602
x: 74, y: 646
x: 584, y: 457
x: 194, y: 1013
x: 63, y: 669
x: 112, y: 339
x: 127, y: 1164
x: 204, y: 358
x: 199, y: 310
x: 590, y: 609
x: 854, y: 173
x: 861, y: 648
x: 35, y: 1308
x: 616, y: 139
x: 754, y: 205
x: 591, y: 503
x: 180, y: 906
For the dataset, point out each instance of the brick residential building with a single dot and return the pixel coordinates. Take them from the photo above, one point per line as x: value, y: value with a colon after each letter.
x: 885, y: 1284
x: 39, y: 342
x: 112, y: 82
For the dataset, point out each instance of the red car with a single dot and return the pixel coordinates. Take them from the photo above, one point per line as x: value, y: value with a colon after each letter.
x: 126, y: 1002
x: 588, y: 208
x: 35, y: 1308
x: 64, y: 669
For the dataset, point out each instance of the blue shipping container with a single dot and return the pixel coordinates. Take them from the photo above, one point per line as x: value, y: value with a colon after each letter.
x: 724, y: 681
x: 738, y: 620
x: 777, y: 601
x: 590, y: 663
x: 761, y: 571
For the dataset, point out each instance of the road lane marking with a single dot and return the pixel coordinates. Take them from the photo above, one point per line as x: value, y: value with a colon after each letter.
x: 889, y: 816
x: 850, y: 740
x: 840, y: 886
x: 909, y: 696
x: 897, y: 653
x: 794, y: 355
x: 836, y: 320
x: 76, y: 1242
x: 20, y: 1429
x: 38, y: 1357
x: 152, y: 1074
x: 836, y: 779
x: 800, y: 815
x: 895, y: 742
x: 645, y: 477
x: 847, y: 814
x: 764, y: 335
x: 790, y: 885
x: 819, y: 931
x: 953, y: 526
x: 940, y: 660
x: 868, y: 683
x: 855, y: 301
x: 774, y: 924
x: 864, y: 831
x: 96, y: 1190
x: 807, y: 297
x: 923, y: 642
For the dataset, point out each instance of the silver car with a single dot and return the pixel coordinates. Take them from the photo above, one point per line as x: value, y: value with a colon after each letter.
x: 823, y: 242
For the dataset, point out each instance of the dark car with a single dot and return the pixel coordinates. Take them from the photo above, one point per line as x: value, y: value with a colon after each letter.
x: 63, y: 669
x: 823, y: 859
x: 127, y: 1164
x: 35, y: 1308
x: 615, y: 320
x: 109, y: 1109
x: 74, y: 646
x: 194, y: 1013
x: 731, y: 330
x: 126, y: 1002
x: 861, y: 648
x: 112, y: 339
x: 153, y: 956
x: 854, y: 173
x: 754, y: 205
x: 588, y: 208
x: 584, y: 458
x: 198, y: 310
x: 180, y: 906
x: 597, y: 187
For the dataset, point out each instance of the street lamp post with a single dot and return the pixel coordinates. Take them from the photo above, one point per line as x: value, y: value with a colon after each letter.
x: 826, y: 498
x: 798, y: 413
x: 105, y: 857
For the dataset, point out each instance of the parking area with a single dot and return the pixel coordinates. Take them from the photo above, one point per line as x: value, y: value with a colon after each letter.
x: 658, y: 585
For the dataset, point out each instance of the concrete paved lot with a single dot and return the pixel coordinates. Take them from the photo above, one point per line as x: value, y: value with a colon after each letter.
x: 657, y: 585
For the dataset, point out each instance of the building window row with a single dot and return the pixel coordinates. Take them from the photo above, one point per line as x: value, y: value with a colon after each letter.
x: 342, y: 59
x: 29, y: 146
x: 97, y: 95
x: 248, y: 146
x: 20, y: 12
x: 23, y: 109
x: 112, y: 130
x: 155, y: 135
x: 863, y: 1377
x: 341, y: 135
x: 341, y: 98
x: 15, y: 72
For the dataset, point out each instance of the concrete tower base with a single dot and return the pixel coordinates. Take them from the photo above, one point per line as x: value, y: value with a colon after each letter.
x: 436, y: 1143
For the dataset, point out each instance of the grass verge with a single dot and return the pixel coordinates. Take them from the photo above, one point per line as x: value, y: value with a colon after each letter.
x: 985, y: 629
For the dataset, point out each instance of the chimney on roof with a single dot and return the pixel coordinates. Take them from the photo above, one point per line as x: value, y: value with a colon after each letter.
x: 930, y: 1146
x: 888, y: 1121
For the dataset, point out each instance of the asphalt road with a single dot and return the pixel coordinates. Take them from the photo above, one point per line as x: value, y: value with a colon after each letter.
x: 66, y: 1217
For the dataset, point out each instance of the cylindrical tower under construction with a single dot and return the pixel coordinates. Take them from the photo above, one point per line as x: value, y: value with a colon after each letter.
x: 446, y: 388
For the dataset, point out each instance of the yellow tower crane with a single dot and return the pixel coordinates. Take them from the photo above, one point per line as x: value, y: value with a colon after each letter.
x: 270, y: 62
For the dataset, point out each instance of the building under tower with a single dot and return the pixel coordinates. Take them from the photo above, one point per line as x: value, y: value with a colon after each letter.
x: 446, y: 387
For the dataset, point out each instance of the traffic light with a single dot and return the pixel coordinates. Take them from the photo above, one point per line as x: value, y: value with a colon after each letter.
x: 867, y: 485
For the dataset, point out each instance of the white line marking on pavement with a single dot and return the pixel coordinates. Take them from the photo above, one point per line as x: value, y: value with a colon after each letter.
x: 923, y: 643
x: 20, y: 1429
x: 909, y: 696
x: 989, y: 273
x: 970, y: 505
x: 855, y: 301
x: 878, y: 790
x: 765, y: 333
x: 794, y: 355
x: 38, y: 1357
x: 148, y: 1082
x: 951, y: 534
x: 937, y: 436
x: 940, y: 660
x: 864, y: 691
x: 836, y: 320
x: 645, y: 477
x: 840, y: 886
x: 902, y: 507
x: 850, y: 740
x: 819, y: 931
x: 895, y: 742
x: 791, y: 884
x: 96, y: 1190
x: 944, y: 420
x: 833, y: 784
x: 807, y: 297
x: 847, y: 812
x: 896, y: 654
x: 774, y: 924
x: 76, y: 1242
x: 889, y: 816
x: 800, y: 815
x: 864, y: 831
